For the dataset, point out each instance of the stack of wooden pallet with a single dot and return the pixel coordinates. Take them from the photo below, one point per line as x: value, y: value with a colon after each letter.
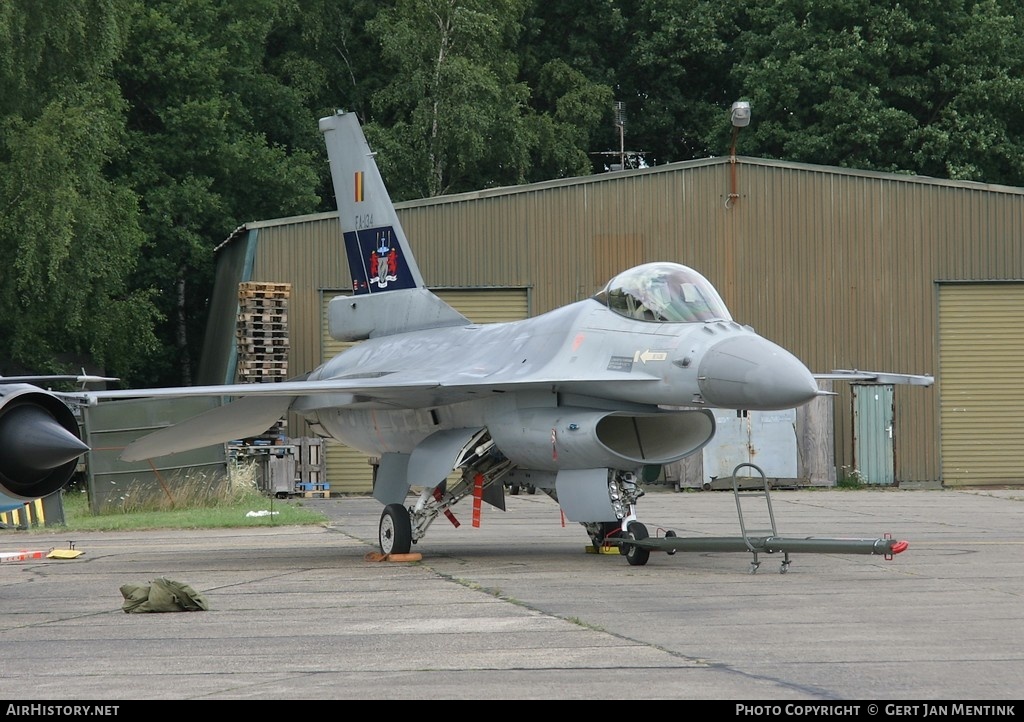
x: 262, y: 338
x: 262, y: 332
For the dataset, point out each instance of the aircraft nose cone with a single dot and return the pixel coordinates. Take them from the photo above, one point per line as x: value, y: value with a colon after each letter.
x: 750, y: 372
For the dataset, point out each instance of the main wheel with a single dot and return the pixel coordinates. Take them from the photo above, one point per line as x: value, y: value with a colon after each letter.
x: 395, y: 534
x: 636, y: 556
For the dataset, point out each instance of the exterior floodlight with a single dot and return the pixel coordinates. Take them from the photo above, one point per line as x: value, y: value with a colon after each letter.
x: 741, y: 114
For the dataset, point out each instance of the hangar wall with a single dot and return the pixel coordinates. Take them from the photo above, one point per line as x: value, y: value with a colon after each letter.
x: 839, y: 266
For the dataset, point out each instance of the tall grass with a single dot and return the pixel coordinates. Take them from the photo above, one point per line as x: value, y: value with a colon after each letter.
x: 194, y: 502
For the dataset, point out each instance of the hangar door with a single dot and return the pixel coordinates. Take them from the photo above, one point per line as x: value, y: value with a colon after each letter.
x: 348, y: 470
x: 874, y: 418
x: 981, y: 344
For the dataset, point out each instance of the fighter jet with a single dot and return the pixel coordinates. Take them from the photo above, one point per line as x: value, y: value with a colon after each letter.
x: 40, y: 441
x: 578, y: 402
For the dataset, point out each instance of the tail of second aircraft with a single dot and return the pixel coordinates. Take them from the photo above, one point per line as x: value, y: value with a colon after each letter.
x: 388, y: 292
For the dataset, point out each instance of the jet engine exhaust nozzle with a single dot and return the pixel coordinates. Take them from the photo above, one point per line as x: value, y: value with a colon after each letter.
x: 39, y: 443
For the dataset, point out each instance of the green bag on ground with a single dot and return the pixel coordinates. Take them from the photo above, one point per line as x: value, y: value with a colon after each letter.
x: 162, y: 595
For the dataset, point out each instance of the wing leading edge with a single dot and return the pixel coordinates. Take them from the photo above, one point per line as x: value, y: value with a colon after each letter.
x: 402, y: 391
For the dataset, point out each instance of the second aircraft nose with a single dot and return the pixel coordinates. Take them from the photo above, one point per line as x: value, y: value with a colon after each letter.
x: 751, y: 372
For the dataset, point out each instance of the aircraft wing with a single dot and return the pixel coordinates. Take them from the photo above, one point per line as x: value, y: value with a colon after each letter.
x: 249, y: 416
x: 878, y: 377
x: 259, y: 405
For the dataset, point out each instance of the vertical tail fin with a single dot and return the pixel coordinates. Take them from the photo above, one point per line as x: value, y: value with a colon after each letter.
x: 378, y: 252
x: 385, y: 277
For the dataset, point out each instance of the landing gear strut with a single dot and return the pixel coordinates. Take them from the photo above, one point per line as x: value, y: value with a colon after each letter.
x: 600, y: 532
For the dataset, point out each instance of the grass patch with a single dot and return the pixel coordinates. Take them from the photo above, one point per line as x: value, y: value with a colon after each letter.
x: 192, y: 503
x: 851, y: 478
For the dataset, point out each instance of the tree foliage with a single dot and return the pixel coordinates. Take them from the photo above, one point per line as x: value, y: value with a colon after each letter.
x: 214, y: 140
x: 135, y: 135
x: 69, y: 230
x: 451, y: 98
x: 928, y: 88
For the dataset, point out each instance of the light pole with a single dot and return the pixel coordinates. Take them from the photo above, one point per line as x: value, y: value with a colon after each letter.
x: 740, y: 116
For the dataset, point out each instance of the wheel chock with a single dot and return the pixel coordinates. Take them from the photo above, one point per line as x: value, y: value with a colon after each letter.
x: 378, y: 557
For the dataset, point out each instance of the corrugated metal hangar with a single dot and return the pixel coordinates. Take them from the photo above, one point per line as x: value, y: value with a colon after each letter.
x: 847, y: 269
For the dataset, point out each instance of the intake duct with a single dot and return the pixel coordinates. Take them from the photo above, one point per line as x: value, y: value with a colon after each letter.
x: 575, y: 438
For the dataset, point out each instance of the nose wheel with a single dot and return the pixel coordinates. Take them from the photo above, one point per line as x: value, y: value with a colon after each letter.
x: 636, y: 555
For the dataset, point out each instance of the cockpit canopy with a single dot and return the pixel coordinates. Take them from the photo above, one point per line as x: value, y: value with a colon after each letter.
x: 664, y: 292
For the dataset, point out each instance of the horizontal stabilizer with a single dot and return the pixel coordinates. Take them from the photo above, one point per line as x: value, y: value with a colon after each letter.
x: 878, y: 377
x: 249, y: 416
x: 354, y: 318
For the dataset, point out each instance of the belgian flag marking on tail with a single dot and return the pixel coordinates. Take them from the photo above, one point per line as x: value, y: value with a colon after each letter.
x: 359, y: 186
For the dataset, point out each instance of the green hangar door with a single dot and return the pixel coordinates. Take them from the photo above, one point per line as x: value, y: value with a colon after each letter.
x: 350, y: 471
x: 874, y: 453
x: 981, y: 344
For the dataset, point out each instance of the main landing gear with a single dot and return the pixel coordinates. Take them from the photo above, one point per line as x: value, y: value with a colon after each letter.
x: 401, y: 526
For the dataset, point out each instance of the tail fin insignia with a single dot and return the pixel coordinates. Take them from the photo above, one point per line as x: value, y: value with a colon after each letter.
x: 376, y: 261
x: 375, y: 244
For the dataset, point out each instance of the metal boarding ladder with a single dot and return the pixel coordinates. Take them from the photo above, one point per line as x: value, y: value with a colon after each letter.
x: 757, y: 540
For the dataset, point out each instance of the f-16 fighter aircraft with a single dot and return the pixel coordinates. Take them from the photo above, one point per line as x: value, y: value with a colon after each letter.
x: 576, y: 402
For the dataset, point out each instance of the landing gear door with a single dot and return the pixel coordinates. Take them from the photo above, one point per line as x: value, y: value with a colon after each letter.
x: 583, y: 495
x: 434, y: 458
x: 391, y: 479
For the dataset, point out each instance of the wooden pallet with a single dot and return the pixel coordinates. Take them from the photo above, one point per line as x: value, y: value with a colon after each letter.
x: 253, y: 289
x: 261, y: 376
x: 275, y: 315
x: 255, y: 355
x: 259, y: 328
